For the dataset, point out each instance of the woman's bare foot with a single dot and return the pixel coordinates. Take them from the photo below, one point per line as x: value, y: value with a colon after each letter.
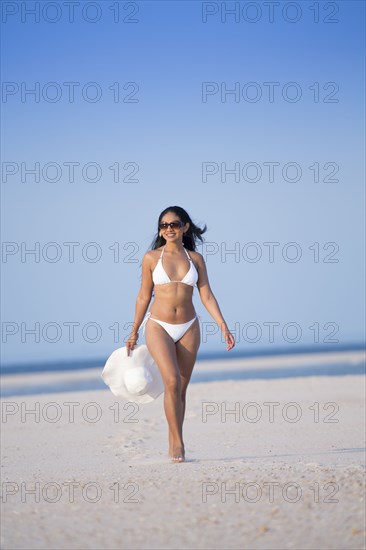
x: 176, y: 453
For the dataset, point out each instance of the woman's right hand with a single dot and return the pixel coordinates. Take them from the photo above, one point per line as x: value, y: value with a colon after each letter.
x: 131, y: 342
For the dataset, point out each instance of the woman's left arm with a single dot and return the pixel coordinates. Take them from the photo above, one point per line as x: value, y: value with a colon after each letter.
x: 209, y: 301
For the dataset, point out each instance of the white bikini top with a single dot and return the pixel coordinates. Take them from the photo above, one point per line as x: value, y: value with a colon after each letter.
x: 160, y: 277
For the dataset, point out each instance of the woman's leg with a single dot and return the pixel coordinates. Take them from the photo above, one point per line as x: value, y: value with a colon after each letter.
x: 162, y: 349
x: 186, y: 350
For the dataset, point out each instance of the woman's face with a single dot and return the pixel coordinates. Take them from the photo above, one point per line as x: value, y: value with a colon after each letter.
x: 175, y: 233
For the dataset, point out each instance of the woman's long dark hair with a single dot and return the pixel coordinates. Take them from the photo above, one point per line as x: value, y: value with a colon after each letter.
x: 189, y: 238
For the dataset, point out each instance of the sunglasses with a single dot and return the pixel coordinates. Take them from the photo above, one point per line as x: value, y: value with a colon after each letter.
x: 172, y: 225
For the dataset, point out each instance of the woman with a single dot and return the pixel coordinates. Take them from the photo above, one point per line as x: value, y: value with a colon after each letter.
x: 172, y: 331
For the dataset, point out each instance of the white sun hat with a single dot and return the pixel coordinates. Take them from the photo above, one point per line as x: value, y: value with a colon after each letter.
x: 135, y: 377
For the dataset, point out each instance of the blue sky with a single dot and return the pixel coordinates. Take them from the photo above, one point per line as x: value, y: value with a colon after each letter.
x: 164, y: 138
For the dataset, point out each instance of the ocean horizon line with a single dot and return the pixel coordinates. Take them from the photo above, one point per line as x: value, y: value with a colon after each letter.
x: 82, y: 364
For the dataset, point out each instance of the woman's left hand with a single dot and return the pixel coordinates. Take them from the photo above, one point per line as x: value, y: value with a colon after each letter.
x: 229, y: 339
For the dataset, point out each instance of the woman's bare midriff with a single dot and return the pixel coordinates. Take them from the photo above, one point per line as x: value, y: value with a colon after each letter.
x: 173, y: 303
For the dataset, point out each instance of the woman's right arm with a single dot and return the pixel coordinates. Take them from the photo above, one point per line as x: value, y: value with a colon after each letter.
x: 142, y: 301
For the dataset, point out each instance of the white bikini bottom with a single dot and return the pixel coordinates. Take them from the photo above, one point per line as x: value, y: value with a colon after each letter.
x: 175, y: 331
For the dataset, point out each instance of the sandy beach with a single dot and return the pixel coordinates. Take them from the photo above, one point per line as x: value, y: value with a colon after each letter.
x: 271, y: 463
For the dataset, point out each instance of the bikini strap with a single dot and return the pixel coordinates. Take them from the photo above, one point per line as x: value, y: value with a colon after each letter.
x: 143, y: 324
x: 162, y: 252
x: 190, y: 259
